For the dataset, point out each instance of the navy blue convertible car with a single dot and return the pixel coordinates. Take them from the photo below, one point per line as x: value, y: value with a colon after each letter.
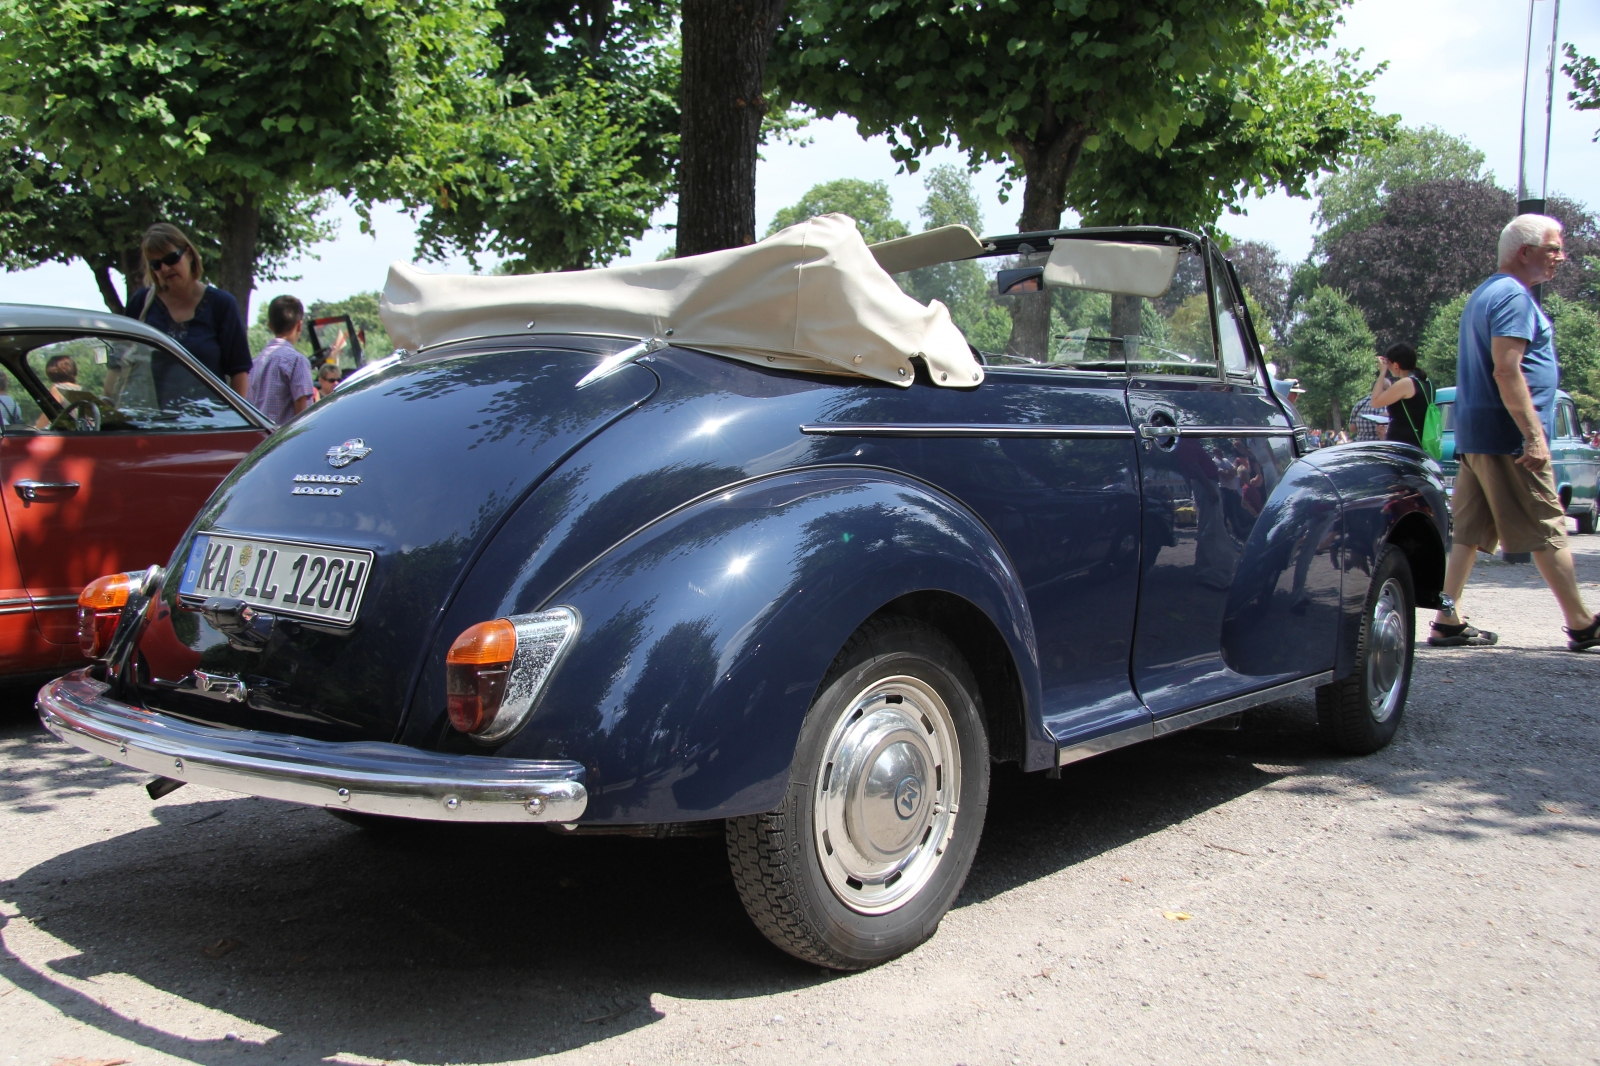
x: 760, y: 541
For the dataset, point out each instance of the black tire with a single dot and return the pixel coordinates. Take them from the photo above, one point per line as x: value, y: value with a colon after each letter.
x: 1350, y: 715
x: 1586, y: 520
x: 782, y: 864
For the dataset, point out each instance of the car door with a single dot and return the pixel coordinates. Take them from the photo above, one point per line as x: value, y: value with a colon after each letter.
x: 104, y: 473
x: 1214, y: 444
x: 1574, y: 461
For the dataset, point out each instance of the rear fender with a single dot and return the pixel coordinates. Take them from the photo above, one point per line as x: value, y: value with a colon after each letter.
x: 705, y: 634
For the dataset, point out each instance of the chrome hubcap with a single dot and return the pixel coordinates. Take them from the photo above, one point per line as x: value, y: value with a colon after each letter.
x: 886, y: 800
x: 1386, y: 652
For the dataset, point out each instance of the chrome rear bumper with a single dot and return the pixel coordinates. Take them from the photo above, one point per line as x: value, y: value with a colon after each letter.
x: 367, y: 776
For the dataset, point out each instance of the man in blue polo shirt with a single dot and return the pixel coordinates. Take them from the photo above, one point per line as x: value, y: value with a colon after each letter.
x: 1506, y: 378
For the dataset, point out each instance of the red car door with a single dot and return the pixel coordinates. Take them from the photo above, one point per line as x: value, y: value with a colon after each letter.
x: 128, y: 442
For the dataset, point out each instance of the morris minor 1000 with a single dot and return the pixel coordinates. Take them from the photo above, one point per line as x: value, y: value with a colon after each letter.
x: 760, y: 540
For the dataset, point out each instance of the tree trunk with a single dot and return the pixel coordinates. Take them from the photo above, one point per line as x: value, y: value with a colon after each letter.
x: 235, y: 271
x: 108, y: 288
x: 725, y: 44
x: 131, y: 266
x: 1047, y: 161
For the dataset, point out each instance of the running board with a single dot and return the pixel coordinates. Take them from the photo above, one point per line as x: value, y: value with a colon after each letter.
x: 1200, y: 715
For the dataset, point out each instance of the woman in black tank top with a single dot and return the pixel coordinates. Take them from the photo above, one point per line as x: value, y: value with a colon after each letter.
x: 1402, y: 388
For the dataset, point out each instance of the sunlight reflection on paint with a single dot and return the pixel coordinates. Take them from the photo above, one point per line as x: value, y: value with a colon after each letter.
x: 711, y: 426
x: 738, y: 566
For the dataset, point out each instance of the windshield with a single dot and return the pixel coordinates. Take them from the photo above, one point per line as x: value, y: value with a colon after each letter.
x: 1012, y: 317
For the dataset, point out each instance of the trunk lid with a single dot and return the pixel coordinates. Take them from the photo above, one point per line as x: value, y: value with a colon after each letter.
x: 443, y: 451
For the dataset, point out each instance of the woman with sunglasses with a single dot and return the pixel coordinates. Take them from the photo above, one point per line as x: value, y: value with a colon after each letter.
x: 201, y: 317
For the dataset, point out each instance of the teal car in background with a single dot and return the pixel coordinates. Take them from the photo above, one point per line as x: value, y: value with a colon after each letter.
x: 1577, y: 462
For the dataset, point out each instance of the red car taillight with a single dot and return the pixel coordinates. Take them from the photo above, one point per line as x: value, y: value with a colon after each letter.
x: 99, y: 606
x: 496, y: 670
x: 475, y: 673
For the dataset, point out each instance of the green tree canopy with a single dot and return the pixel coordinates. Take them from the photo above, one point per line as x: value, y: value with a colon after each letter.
x: 1354, y: 197
x: 1332, y: 353
x: 867, y: 202
x: 246, y: 98
x: 49, y: 215
x: 1436, y: 351
x: 1293, y: 119
x: 1585, y: 75
x: 1183, y: 105
x: 597, y: 150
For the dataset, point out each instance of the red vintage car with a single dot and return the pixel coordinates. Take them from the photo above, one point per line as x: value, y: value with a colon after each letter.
x: 111, y: 438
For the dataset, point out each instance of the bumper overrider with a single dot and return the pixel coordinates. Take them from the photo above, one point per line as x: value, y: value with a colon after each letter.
x: 367, y: 776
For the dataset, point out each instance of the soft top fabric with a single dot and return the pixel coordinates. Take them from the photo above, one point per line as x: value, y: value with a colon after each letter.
x: 810, y: 297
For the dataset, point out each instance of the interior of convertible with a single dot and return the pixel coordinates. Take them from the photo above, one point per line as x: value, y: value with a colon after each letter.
x: 1105, y: 305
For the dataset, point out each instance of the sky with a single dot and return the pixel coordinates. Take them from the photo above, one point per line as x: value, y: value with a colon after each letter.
x: 1456, y: 64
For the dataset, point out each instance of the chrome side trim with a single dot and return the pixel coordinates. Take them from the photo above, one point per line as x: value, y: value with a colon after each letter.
x: 24, y: 609
x: 54, y: 603
x: 1149, y: 432
x: 956, y: 429
x: 368, y: 776
x: 1100, y: 745
x: 1176, y: 722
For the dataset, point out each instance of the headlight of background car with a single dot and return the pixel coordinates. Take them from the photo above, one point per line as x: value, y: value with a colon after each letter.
x: 496, y: 670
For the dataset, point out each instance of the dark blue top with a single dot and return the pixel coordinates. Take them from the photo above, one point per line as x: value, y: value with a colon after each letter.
x: 1502, y: 307
x: 215, y: 335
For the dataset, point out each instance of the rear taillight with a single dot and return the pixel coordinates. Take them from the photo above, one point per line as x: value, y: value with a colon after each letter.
x: 495, y: 670
x: 99, y: 606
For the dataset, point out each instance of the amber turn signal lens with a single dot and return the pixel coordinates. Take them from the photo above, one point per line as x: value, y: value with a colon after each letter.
x: 99, y: 606
x: 485, y: 643
x: 107, y: 593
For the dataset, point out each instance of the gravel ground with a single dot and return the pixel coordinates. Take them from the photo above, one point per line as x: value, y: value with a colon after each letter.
x: 1211, y: 897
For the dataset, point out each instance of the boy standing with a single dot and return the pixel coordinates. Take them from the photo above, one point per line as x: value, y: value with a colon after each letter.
x: 280, y: 378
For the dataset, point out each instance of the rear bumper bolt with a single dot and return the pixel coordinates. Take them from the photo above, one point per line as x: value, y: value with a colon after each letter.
x: 344, y: 795
x: 451, y: 803
x: 177, y: 764
x: 535, y: 805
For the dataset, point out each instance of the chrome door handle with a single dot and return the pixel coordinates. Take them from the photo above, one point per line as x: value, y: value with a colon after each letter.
x: 45, y: 491
x: 1150, y: 431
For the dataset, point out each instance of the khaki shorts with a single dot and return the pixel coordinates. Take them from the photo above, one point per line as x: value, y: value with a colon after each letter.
x: 1498, y: 502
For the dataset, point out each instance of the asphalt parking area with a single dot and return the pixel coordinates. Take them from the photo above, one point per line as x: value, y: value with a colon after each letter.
x: 1212, y: 897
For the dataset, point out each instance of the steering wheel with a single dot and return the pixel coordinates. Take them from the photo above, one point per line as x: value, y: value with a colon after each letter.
x: 80, y: 415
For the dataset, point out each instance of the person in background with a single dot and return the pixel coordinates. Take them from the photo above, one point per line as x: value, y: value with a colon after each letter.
x: 1362, y: 427
x: 327, y: 380
x: 280, y: 378
x: 1401, y: 389
x: 59, y: 370
x: 1506, y: 379
x: 10, y: 409
x: 176, y: 300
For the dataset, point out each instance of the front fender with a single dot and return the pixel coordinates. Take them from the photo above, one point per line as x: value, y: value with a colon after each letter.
x: 1388, y: 493
x: 705, y: 634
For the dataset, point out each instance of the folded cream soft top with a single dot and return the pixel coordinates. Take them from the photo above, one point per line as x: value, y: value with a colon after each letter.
x: 810, y: 297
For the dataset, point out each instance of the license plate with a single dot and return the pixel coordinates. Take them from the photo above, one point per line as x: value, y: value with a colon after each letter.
x: 308, y: 581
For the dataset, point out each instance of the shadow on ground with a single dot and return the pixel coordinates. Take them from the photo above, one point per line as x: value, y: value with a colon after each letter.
x: 494, y: 943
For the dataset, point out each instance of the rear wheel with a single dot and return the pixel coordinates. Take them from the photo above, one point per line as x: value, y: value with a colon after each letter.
x: 1359, y: 714
x: 1586, y: 520
x: 885, y: 805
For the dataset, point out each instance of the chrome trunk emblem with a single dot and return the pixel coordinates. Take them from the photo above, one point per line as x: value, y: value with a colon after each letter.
x: 344, y: 454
